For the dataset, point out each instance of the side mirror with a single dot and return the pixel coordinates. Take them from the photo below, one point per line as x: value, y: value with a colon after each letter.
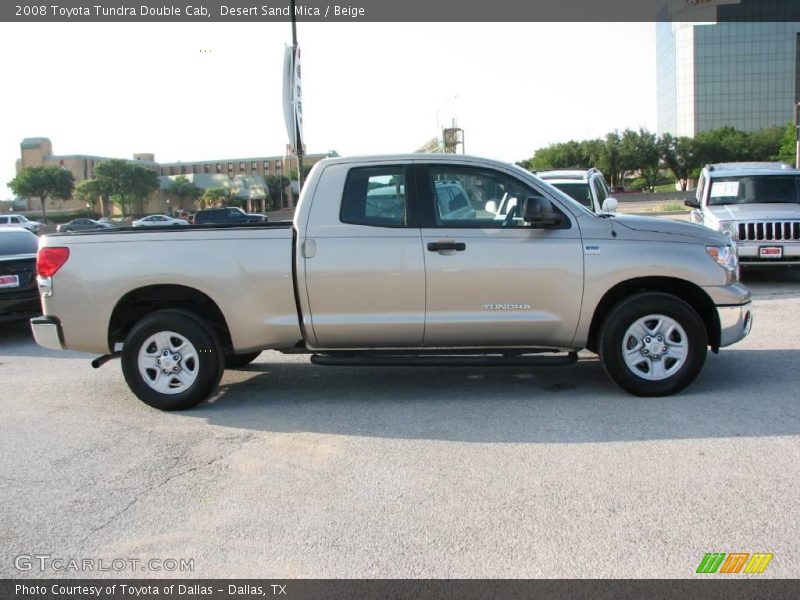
x: 609, y: 205
x: 538, y: 212
x: 691, y: 203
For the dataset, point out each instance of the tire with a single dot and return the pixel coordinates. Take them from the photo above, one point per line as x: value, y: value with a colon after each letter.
x: 236, y: 361
x: 184, y: 376
x: 634, y: 338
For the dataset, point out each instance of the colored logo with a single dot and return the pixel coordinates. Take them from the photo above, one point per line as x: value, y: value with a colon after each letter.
x: 734, y: 562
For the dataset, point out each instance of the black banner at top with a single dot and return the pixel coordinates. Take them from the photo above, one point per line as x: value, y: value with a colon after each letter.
x: 399, y: 10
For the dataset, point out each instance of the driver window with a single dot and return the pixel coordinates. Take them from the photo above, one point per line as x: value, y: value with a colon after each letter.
x: 466, y: 197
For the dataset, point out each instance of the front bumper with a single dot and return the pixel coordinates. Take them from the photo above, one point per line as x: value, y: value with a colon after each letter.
x: 47, y: 332
x: 749, y: 255
x: 734, y: 323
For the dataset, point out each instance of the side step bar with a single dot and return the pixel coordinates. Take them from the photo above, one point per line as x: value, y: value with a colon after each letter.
x: 442, y: 360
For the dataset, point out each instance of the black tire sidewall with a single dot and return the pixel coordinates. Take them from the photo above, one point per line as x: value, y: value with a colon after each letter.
x: 205, y: 341
x: 635, y: 307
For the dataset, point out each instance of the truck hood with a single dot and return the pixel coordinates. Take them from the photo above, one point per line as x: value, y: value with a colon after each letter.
x: 772, y: 211
x: 672, y: 228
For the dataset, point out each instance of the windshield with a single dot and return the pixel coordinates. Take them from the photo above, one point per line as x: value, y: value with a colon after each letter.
x: 755, y: 189
x: 577, y: 191
x: 22, y: 218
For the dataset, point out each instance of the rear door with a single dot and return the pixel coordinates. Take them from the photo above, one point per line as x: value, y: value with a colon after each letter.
x: 491, y: 280
x: 363, y: 266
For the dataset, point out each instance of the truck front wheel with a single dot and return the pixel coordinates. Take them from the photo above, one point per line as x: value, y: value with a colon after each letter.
x: 653, y: 344
x: 172, y: 360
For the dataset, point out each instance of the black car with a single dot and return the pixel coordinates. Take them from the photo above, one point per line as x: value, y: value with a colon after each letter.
x: 82, y: 225
x: 19, y: 293
x: 227, y: 216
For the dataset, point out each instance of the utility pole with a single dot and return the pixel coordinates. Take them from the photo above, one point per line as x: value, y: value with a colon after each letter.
x: 299, y: 149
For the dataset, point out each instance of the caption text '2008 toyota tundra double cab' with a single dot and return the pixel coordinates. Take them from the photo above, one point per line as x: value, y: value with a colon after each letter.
x: 399, y: 260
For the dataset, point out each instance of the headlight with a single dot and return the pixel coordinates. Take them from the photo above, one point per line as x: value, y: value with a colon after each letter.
x: 725, y: 256
x: 728, y: 228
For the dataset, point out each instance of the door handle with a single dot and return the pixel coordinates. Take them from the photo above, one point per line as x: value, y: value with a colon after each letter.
x: 439, y: 246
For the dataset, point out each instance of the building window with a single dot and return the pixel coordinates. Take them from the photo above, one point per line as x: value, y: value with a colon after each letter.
x: 172, y: 170
x: 230, y: 167
x: 241, y: 167
x: 254, y: 166
x: 183, y: 169
x: 206, y: 168
x: 219, y: 167
x: 266, y: 166
x: 194, y: 169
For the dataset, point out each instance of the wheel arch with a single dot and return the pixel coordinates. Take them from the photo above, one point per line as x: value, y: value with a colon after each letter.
x: 687, y: 291
x: 137, y: 304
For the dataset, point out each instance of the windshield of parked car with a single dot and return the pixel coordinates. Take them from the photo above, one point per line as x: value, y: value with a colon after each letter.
x: 755, y: 189
x: 22, y: 218
x: 578, y: 190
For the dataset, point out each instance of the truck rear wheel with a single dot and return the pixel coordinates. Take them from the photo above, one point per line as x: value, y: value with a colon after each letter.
x: 653, y: 344
x: 172, y: 360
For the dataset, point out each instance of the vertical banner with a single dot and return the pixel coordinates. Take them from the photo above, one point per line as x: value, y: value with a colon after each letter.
x: 298, y: 102
x: 288, y: 96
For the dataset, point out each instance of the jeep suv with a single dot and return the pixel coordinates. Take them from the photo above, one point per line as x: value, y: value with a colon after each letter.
x: 757, y: 205
x: 587, y: 186
x: 226, y: 216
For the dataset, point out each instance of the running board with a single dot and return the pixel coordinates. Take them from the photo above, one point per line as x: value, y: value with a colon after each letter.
x: 447, y: 360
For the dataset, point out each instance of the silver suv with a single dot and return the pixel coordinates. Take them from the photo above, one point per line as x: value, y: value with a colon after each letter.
x: 587, y: 186
x: 757, y: 205
x: 20, y: 221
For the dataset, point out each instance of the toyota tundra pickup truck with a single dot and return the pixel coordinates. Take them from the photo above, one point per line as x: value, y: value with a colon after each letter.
x: 398, y: 260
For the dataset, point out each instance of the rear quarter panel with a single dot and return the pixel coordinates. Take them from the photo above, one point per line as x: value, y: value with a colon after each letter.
x: 246, y: 272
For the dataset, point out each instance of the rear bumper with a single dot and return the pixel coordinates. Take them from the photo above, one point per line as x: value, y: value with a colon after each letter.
x: 734, y: 323
x: 47, y: 332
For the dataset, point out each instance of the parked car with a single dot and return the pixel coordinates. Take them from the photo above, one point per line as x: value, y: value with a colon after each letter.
x: 227, y: 216
x: 82, y: 225
x: 20, y: 221
x: 19, y: 294
x: 158, y: 221
x: 367, y: 278
x: 587, y: 186
x: 757, y: 205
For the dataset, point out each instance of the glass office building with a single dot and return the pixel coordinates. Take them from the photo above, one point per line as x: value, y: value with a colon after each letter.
x: 745, y: 74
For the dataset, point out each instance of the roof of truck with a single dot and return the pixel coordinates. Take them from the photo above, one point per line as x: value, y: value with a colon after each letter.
x: 750, y: 168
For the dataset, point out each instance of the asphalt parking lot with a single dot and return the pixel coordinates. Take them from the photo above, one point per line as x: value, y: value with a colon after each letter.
x: 295, y: 470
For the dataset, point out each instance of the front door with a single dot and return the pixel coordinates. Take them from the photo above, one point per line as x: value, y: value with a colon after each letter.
x: 492, y: 280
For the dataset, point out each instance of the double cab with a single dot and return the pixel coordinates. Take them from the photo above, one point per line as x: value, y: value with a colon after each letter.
x: 399, y: 260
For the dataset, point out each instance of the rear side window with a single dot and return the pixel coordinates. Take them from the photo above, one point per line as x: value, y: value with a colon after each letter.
x: 375, y: 196
x: 18, y: 242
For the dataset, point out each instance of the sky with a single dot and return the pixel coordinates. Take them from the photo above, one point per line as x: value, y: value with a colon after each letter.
x: 204, y: 91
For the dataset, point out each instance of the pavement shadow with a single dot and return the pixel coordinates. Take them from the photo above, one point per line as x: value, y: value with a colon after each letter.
x: 739, y: 393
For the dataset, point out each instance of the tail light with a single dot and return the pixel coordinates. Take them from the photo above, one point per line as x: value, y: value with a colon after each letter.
x: 50, y: 260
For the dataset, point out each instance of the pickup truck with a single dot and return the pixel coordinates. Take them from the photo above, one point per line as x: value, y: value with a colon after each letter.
x: 398, y: 260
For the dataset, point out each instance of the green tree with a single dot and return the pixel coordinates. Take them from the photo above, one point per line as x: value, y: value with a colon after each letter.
x: 129, y: 184
x: 787, y: 152
x: 44, y: 183
x: 89, y: 190
x: 213, y: 196
x: 182, y: 189
x: 679, y: 157
x: 647, y: 157
x: 276, y: 186
x: 609, y: 160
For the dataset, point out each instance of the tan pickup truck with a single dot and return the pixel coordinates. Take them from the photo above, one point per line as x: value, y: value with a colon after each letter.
x: 399, y: 260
